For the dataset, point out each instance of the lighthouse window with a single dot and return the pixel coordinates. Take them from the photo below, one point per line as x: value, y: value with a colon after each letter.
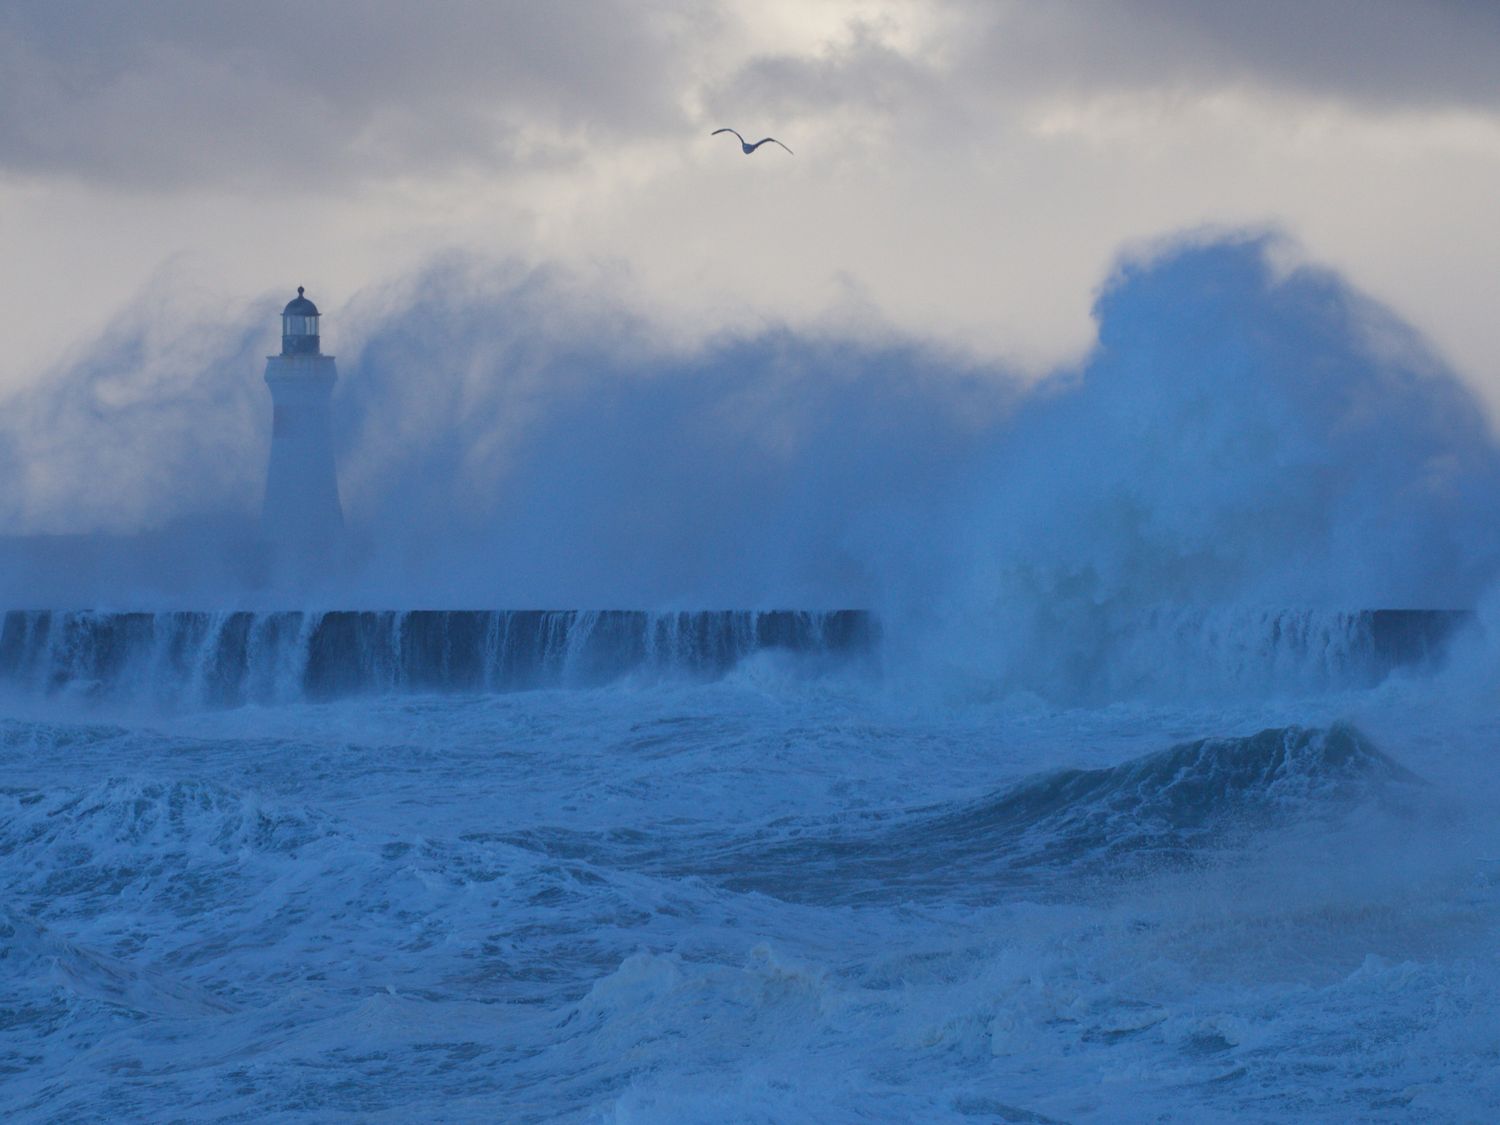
x: 300, y: 326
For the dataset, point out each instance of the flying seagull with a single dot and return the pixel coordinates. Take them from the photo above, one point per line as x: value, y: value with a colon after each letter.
x: 746, y: 147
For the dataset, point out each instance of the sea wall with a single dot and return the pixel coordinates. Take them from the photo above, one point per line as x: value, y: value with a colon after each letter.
x: 226, y: 659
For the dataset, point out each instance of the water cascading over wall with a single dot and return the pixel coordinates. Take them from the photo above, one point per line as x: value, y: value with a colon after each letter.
x: 231, y: 658
x: 226, y: 659
x: 1194, y: 651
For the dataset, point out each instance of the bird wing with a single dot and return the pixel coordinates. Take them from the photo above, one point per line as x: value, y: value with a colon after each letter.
x: 716, y: 132
x: 768, y: 140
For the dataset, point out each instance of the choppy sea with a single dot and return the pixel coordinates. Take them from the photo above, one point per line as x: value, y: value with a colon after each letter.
x: 772, y: 890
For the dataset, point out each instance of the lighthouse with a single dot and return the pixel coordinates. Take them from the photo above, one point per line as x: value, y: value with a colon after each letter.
x: 302, y: 491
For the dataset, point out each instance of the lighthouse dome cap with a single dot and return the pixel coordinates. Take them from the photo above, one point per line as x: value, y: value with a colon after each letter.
x: 300, y: 306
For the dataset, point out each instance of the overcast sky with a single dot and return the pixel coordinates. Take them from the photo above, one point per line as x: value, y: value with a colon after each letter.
x: 965, y: 172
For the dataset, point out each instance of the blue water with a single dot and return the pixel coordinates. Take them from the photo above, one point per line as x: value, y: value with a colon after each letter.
x: 1145, y: 796
x: 765, y: 889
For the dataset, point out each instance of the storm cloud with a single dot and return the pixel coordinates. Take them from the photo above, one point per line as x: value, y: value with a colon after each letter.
x: 159, y: 95
x: 966, y: 173
x: 163, y: 93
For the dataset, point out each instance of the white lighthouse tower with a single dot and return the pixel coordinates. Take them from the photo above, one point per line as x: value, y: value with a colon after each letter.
x: 302, y: 491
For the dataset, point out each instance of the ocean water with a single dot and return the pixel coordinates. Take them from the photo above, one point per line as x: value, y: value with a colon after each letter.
x: 808, y: 880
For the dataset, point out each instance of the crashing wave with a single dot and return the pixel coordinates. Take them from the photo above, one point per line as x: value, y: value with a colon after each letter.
x: 1166, y: 804
x: 1164, y: 809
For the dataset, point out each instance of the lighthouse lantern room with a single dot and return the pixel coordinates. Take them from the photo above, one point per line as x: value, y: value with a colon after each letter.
x: 299, y: 326
x: 302, y: 509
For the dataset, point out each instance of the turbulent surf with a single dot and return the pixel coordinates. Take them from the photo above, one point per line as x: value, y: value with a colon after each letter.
x: 739, y: 891
x: 1147, y: 774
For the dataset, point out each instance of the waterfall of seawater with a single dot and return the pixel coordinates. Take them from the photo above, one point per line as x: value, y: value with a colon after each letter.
x: 223, y: 659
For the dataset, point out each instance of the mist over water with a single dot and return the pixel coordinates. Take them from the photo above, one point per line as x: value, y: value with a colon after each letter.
x: 1242, y: 443
x: 1244, y: 433
x: 1135, y: 795
x: 1252, y: 437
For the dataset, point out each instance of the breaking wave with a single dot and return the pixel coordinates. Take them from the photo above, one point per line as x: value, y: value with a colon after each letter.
x: 1165, y: 809
x: 1166, y: 806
